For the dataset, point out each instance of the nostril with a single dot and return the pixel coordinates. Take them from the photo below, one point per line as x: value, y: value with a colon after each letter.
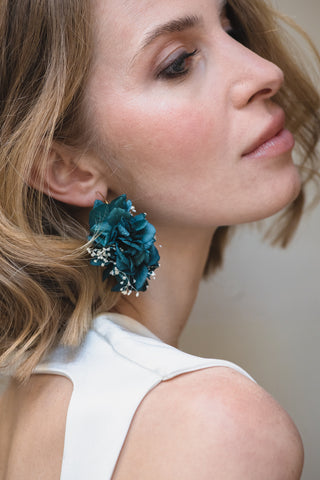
x: 265, y: 92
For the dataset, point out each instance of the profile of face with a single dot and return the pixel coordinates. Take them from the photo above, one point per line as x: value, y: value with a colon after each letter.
x: 184, y: 115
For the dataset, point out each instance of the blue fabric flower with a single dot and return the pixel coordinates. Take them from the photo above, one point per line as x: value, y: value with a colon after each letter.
x: 123, y: 244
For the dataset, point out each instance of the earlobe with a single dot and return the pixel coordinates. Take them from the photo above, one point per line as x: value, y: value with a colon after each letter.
x: 73, y: 177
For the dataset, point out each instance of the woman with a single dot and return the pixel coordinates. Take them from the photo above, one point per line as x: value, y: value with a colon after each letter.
x: 180, y: 106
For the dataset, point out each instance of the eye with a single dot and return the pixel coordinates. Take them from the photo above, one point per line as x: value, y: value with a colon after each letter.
x: 178, y: 66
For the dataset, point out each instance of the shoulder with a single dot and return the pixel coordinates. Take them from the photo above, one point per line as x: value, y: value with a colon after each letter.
x: 213, y: 423
x: 32, y: 427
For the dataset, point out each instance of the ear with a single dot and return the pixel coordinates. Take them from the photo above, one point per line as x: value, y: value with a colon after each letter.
x: 73, y: 177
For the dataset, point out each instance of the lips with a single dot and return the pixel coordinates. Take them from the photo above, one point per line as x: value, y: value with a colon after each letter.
x: 273, y: 129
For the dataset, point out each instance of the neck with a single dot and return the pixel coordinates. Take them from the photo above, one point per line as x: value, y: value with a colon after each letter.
x: 165, y: 307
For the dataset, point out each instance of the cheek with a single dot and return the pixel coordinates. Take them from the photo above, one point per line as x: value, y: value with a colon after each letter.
x: 164, y: 137
x: 168, y: 153
x: 175, y: 137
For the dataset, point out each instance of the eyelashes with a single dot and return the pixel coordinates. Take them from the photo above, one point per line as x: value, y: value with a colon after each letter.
x: 179, y: 67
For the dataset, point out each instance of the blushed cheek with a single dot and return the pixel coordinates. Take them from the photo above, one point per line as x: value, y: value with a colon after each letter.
x: 164, y: 137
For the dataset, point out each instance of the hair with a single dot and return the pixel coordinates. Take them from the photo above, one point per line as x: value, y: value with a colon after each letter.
x: 49, y: 292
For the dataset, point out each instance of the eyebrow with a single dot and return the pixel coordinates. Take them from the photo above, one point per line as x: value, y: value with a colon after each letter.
x: 178, y: 25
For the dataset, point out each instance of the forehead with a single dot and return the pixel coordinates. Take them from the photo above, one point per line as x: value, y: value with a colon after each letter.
x: 117, y: 18
x: 138, y: 7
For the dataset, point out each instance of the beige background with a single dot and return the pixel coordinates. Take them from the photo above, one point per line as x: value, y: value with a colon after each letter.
x: 263, y: 310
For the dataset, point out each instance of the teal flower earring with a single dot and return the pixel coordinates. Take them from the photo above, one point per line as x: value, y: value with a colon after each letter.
x: 123, y: 245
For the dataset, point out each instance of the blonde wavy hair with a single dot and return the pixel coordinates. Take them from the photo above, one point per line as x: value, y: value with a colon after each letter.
x: 49, y: 292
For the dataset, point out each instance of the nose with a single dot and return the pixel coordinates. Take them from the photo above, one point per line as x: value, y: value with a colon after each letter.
x: 253, y: 77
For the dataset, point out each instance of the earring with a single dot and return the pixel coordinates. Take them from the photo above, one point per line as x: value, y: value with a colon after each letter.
x: 123, y: 244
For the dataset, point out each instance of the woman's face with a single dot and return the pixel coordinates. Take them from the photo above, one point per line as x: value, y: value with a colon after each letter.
x: 184, y: 115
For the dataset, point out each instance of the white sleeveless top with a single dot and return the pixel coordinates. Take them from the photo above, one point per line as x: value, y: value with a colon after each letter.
x: 118, y: 363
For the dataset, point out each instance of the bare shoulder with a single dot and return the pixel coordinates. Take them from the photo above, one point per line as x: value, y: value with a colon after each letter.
x: 212, y: 423
x: 32, y: 427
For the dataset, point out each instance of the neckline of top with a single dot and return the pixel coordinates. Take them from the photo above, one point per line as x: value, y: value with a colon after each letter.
x: 128, y: 323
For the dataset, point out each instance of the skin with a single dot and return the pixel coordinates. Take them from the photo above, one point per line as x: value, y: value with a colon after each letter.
x: 175, y: 147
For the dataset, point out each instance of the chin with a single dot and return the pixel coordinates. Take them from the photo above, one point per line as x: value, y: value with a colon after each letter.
x: 269, y: 197
x: 282, y: 194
